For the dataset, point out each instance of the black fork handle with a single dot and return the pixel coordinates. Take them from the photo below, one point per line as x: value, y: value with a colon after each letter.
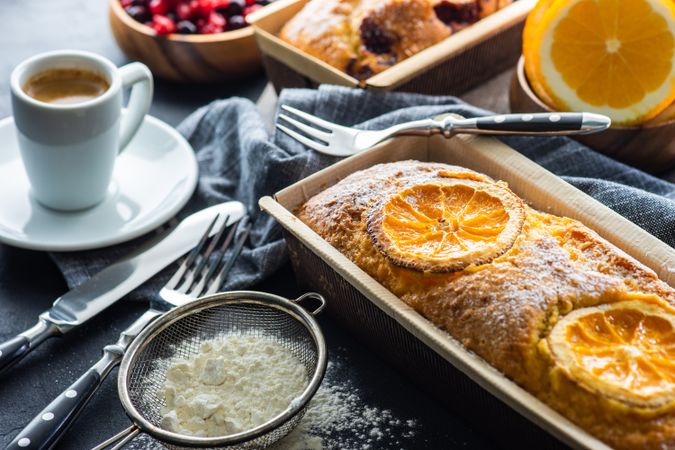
x: 531, y: 123
x: 47, y: 427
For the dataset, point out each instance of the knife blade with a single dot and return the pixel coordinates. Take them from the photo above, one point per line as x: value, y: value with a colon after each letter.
x: 115, y: 281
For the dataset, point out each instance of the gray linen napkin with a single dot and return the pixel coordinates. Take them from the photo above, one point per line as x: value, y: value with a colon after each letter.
x: 239, y: 160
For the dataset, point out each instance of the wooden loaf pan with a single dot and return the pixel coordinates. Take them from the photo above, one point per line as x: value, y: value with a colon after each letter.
x: 429, y: 356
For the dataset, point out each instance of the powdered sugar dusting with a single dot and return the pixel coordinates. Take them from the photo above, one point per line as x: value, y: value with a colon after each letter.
x: 338, y: 417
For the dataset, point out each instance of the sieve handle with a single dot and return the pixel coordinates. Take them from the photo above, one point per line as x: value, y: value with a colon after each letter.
x: 48, y: 426
x: 120, y: 439
x: 315, y: 296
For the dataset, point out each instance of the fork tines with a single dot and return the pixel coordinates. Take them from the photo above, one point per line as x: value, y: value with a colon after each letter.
x: 206, y: 267
x: 241, y: 232
x: 321, y: 138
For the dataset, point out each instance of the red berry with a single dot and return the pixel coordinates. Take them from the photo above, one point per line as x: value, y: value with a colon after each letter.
x: 206, y: 7
x: 160, y: 7
x: 126, y: 3
x: 250, y: 2
x: 249, y: 9
x: 163, y: 25
x: 184, y: 11
x: 196, y: 8
x: 211, y: 29
x: 217, y: 20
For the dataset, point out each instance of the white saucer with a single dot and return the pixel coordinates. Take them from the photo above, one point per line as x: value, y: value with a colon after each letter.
x: 153, y: 179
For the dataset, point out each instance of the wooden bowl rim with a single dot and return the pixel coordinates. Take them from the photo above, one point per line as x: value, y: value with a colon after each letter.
x: 524, y: 85
x: 129, y: 22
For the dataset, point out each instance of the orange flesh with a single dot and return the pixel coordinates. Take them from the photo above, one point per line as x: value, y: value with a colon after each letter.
x: 610, y: 51
x: 439, y: 221
x: 626, y: 348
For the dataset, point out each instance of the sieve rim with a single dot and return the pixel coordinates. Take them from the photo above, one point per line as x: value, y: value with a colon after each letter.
x: 203, y: 303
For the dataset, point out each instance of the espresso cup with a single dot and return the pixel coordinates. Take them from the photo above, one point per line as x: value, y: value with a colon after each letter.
x: 69, y: 150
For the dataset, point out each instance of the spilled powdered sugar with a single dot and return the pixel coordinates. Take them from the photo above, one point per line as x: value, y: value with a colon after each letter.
x: 336, y: 418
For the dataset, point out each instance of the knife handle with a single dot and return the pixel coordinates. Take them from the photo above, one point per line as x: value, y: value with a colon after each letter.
x: 13, y: 351
x: 48, y: 426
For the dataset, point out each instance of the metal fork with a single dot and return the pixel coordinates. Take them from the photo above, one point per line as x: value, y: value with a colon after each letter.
x: 337, y: 140
x: 202, y: 272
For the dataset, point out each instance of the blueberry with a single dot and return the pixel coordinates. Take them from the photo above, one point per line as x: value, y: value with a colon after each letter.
x: 235, y: 22
x: 172, y: 16
x: 236, y: 7
x: 449, y: 13
x: 186, y: 27
x: 263, y: 2
x: 139, y: 13
x: 127, y: 3
x: 376, y: 39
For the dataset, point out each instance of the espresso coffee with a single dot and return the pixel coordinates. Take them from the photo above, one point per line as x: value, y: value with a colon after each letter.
x: 66, y: 86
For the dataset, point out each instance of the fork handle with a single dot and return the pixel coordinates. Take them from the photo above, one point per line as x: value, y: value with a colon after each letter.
x: 535, y: 123
x: 46, y: 428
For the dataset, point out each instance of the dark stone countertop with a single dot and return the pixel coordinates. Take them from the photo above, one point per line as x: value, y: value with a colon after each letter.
x: 29, y: 281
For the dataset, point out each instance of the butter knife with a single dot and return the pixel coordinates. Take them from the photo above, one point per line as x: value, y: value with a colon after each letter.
x: 112, y: 283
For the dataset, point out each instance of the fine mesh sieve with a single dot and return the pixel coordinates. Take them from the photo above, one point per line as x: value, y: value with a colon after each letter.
x: 179, y: 334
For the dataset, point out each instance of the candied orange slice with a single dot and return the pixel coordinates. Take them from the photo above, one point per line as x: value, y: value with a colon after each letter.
x: 614, y: 57
x: 446, y: 225
x: 624, y: 351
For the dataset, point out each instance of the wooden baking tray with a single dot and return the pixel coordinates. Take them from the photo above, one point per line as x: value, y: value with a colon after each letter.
x: 428, y: 355
x: 451, y: 67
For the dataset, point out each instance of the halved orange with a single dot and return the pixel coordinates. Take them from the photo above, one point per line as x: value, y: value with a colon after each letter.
x: 532, y: 25
x: 624, y: 351
x: 446, y: 225
x: 614, y: 57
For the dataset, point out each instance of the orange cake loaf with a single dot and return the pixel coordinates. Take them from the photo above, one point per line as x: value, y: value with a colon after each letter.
x: 544, y: 299
x: 365, y: 37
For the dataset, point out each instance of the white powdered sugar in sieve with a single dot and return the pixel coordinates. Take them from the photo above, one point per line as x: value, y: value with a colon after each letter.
x: 337, y: 418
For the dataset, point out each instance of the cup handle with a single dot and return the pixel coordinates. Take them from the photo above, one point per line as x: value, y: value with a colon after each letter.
x: 139, y: 77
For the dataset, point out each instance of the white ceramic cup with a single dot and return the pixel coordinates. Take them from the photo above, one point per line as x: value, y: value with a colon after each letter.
x: 69, y: 150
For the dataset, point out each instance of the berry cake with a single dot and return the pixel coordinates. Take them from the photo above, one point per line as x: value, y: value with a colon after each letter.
x: 365, y: 37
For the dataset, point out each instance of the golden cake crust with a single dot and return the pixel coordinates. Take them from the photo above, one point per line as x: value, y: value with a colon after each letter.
x: 504, y: 310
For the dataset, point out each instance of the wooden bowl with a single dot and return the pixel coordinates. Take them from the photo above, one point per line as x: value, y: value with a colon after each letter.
x: 650, y: 147
x: 187, y: 58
